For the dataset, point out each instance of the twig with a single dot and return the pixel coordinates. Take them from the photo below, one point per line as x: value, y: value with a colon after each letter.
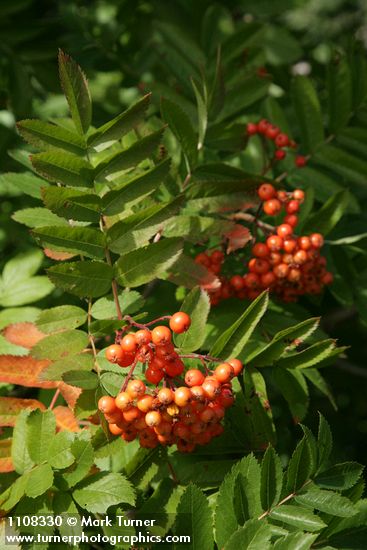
x: 54, y: 399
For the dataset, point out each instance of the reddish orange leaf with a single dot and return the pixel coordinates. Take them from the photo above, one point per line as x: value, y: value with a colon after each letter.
x: 6, y: 464
x: 238, y: 237
x: 10, y: 407
x: 23, y: 334
x: 65, y: 419
x: 188, y: 273
x: 24, y: 371
x: 69, y: 393
x: 55, y: 255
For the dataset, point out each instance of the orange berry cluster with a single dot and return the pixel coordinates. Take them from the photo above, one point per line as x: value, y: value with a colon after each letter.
x: 281, y: 140
x: 286, y: 264
x: 183, y: 412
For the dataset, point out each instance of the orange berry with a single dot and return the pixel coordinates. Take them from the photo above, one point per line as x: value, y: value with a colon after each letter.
x: 300, y: 257
x: 145, y: 402
x: 224, y: 373
x: 259, y: 266
x: 194, y: 377
x: 182, y: 396
x: 131, y: 414
x: 180, y: 322
x: 272, y: 207
x: 153, y: 418
x: 123, y: 401
x: 161, y: 336
x: 129, y: 343
x: 211, y: 386
x: 114, y: 429
x: 281, y: 271
x: 106, y: 404
x: 135, y: 388
x: 292, y: 219
x: 317, y: 240
x: 292, y: 207
x: 198, y: 393
x: 143, y: 337
x: 289, y: 245
x: 114, y: 353
x: 304, y: 243
x: 260, y: 250
x: 166, y: 396
x: 266, y: 191
x: 274, y: 243
x: 237, y: 366
x: 294, y: 275
x: 298, y: 195
x: 284, y: 230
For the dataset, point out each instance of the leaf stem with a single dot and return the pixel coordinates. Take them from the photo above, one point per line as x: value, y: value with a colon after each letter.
x: 54, y: 399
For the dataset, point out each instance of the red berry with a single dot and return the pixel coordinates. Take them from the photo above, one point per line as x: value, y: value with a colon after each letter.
x: 161, y: 335
x: 217, y: 256
x: 251, y: 129
x: 304, y: 243
x: 299, y: 195
x: 282, y: 140
x: 114, y: 353
x: 300, y: 161
x: 129, y: 343
x: 154, y: 376
x: 327, y: 278
x: 317, y: 240
x: 237, y: 282
x: 259, y: 266
x: 274, y: 243
x: 251, y: 280
x: 281, y: 270
x: 266, y: 191
x: 260, y: 250
x: 272, y: 207
x: 262, y: 126
x: 280, y: 154
x: 292, y: 219
x: 268, y: 279
x: 284, y: 230
x: 272, y: 132
x: 294, y: 275
x: 300, y: 257
x: 180, y: 322
x: 292, y: 207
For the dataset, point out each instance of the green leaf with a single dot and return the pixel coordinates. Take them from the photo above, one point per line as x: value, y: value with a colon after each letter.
x: 324, y: 442
x: 297, y: 517
x: 61, y: 344
x: 271, y: 479
x: 37, y: 217
x: 72, y: 204
x: 196, y: 228
x: 61, y: 318
x: 256, y: 426
x: 103, y: 490
x: 233, y: 340
x: 79, y: 240
x: 340, y: 477
x: 293, y: 386
x: 59, y: 451
x: 242, y: 96
x: 46, y: 136
x: 140, y: 150
x: 283, y: 340
x: 81, y: 361
x: 84, y: 458
x: 76, y: 91
x: 309, y: 356
x: 105, y: 308
x: 246, y: 500
x: 22, y: 266
x: 64, y: 168
x: 41, y: 426
x: 14, y: 493
x: 180, y: 125
x: 352, y: 168
x: 299, y: 467
x: 19, y: 451
x: 325, y: 219
x: 328, y: 502
x: 213, y: 179
x: 24, y: 182
x: 295, y: 541
x: 254, y: 535
x: 136, y: 189
x: 320, y: 383
x: 194, y: 518
x: 308, y: 112
x: 82, y: 278
x: 116, y: 128
x: 135, y: 231
x: 197, y: 306
x: 145, y: 264
x: 82, y: 379
x: 226, y: 521
x: 202, y: 113
x: 339, y: 85
x: 40, y: 479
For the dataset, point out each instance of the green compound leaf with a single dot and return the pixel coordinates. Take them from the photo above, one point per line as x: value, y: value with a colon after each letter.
x: 103, y: 490
x: 86, y: 278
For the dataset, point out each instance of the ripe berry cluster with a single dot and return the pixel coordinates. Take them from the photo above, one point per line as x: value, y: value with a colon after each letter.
x: 286, y: 264
x: 281, y: 140
x: 183, y: 412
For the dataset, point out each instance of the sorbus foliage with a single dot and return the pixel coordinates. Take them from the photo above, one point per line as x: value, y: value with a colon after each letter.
x: 187, y: 408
